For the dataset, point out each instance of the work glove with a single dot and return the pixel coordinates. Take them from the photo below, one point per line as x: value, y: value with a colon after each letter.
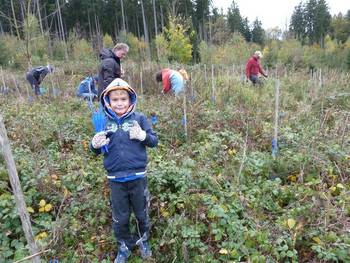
x: 99, y: 140
x: 137, y: 133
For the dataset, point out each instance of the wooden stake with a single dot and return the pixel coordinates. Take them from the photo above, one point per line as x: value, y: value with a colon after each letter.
x: 17, y: 190
x: 141, y: 84
x: 275, y: 134
x: 185, y: 113
x: 15, y: 82
x: 192, y: 90
x: 52, y: 84
x: 322, y: 92
x: 212, y: 84
x: 3, y: 79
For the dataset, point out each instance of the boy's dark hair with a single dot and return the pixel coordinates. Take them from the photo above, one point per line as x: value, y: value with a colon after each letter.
x: 159, y: 76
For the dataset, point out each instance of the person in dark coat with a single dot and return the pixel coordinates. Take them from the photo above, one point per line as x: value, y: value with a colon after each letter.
x: 36, y: 75
x: 110, y: 67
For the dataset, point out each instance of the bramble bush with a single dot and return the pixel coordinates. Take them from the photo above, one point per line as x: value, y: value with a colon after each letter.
x: 217, y: 195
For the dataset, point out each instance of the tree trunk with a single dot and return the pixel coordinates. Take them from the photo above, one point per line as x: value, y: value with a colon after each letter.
x: 90, y: 27
x: 145, y: 31
x: 17, y: 190
x: 117, y: 29
x: 29, y: 57
x: 21, y: 3
x: 123, y: 15
x: 209, y: 30
x: 138, y: 26
x: 155, y: 17
x: 48, y: 31
x: 98, y: 33
x: 161, y: 17
x: 61, y: 26
x: 155, y: 24
x: 39, y: 17
x: 15, y: 20
x: 1, y: 29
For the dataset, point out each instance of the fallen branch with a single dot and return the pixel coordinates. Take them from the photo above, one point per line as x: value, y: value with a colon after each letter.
x: 32, y: 256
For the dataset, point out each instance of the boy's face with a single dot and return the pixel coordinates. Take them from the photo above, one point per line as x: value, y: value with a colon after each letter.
x: 120, y: 101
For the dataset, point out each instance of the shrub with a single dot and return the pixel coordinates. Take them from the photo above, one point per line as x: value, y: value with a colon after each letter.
x: 82, y: 50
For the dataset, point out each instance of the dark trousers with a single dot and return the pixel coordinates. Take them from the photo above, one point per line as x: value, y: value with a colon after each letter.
x: 33, y: 84
x: 127, y: 197
x: 255, y: 80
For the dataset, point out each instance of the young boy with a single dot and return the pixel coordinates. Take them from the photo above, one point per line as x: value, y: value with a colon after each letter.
x: 126, y: 135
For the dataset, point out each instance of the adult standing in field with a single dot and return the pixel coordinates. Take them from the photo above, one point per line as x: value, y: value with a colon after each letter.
x: 110, y: 67
x: 36, y: 75
x: 253, y: 68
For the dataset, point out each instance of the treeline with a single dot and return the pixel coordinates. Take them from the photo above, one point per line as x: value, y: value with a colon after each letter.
x: 311, y: 22
x: 144, y: 19
x: 181, y: 31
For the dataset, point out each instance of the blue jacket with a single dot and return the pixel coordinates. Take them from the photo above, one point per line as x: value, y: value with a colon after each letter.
x: 125, y: 157
x: 177, y: 81
x: 84, y: 86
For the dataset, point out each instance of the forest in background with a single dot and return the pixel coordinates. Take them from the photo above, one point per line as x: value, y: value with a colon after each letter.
x: 168, y: 31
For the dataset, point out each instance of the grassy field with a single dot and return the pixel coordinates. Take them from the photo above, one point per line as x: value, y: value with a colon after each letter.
x: 218, y: 194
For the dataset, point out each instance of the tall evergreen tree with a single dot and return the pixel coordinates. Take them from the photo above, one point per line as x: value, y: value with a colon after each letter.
x: 201, y: 16
x: 247, y: 34
x: 298, y: 23
x: 258, y: 33
x: 317, y: 19
x: 322, y: 21
x: 234, y: 18
x: 340, y: 28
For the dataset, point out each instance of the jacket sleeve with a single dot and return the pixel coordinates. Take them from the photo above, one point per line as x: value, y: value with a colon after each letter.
x: 247, y: 68
x: 110, y: 71
x: 166, y: 80
x: 262, y: 71
x: 151, y: 137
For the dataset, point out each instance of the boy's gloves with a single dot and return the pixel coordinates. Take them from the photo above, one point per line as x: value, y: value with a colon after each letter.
x: 137, y: 133
x: 99, y: 140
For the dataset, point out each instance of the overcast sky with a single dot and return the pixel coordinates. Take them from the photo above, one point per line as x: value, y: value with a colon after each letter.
x: 274, y: 13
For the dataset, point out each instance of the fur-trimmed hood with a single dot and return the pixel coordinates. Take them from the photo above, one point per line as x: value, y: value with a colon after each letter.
x: 118, y: 84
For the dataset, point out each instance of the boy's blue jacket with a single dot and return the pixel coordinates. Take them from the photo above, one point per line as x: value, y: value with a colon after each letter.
x: 125, y: 157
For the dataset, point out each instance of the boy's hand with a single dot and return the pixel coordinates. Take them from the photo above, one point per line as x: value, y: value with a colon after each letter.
x: 99, y: 140
x: 137, y: 133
